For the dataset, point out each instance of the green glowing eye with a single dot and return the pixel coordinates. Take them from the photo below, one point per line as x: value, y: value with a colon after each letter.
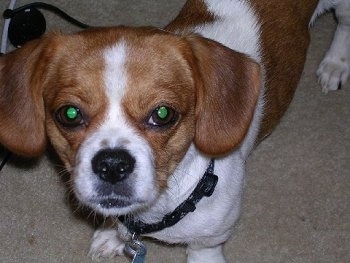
x: 70, y: 116
x: 162, y: 115
x: 71, y: 113
x: 162, y: 112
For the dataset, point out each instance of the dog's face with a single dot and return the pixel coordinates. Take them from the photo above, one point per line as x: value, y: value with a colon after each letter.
x: 122, y: 106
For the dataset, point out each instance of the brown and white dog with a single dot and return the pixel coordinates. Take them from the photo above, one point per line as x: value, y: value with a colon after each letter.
x: 136, y: 114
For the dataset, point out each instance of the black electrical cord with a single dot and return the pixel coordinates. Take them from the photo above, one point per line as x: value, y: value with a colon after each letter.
x: 8, y: 13
x: 6, y: 158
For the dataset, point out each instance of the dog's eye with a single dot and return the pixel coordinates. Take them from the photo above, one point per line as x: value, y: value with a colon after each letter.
x: 70, y: 116
x: 162, y: 116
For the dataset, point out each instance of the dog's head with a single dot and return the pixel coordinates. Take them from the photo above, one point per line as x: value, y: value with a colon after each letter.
x: 122, y: 106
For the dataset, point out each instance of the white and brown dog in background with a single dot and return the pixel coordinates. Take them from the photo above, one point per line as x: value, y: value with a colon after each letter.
x: 136, y: 114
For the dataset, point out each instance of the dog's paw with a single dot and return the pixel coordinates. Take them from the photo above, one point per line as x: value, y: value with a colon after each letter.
x: 105, y: 243
x: 333, y: 73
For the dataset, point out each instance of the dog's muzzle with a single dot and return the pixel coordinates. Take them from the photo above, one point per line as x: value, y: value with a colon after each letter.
x: 113, y: 165
x: 114, y: 180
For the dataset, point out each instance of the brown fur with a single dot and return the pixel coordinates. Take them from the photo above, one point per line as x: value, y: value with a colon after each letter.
x: 21, y: 105
x: 285, y: 40
x: 193, y: 13
x: 229, y: 90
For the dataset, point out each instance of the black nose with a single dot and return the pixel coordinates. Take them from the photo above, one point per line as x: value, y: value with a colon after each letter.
x: 113, y: 165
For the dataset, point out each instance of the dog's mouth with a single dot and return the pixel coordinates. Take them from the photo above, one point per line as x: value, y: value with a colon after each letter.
x: 110, y: 203
x: 115, y: 205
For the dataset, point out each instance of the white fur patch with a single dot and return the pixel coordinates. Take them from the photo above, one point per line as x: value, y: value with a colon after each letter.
x: 237, y: 26
x: 115, y: 76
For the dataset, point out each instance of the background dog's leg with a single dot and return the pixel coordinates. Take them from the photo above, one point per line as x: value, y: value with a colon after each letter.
x: 335, y: 67
x: 205, y: 255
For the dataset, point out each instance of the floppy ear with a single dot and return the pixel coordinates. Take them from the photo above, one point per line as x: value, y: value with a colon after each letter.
x: 22, y: 115
x: 227, y: 93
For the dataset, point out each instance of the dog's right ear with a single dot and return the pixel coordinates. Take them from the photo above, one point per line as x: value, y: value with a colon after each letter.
x: 227, y: 93
x: 22, y: 114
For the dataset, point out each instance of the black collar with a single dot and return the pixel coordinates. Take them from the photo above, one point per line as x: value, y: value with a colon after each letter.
x: 205, y: 187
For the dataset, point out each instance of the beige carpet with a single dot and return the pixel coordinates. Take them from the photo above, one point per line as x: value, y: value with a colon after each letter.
x: 297, y: 198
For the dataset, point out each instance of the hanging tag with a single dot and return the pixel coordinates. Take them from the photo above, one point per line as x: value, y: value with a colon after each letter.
x: 137, y: 250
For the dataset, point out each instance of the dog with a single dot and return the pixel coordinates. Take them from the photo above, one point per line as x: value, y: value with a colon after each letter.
x: 155, y: 125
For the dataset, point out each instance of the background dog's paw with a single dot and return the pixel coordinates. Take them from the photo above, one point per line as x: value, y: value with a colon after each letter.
x: 105, y: 243
x: 333, y: 73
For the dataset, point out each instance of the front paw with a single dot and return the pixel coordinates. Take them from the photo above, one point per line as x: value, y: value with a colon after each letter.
x: 333, y: 73
x: 105, y: 243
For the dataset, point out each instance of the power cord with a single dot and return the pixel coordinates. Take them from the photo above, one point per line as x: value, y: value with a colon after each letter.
x: 28, y: 23
x: 9, y: 13
x: 6, y: 158
x: 4, y: 36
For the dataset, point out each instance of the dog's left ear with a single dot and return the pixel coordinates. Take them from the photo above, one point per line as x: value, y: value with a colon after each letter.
x: 228, y: 85
x: 22, y: 114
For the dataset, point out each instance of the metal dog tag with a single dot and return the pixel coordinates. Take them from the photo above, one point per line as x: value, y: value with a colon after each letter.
x: 137, y: 250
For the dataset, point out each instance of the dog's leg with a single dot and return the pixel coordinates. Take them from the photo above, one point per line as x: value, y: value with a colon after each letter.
x: 335, y: 67
x: 106, y: 243
x: 205, y: 255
